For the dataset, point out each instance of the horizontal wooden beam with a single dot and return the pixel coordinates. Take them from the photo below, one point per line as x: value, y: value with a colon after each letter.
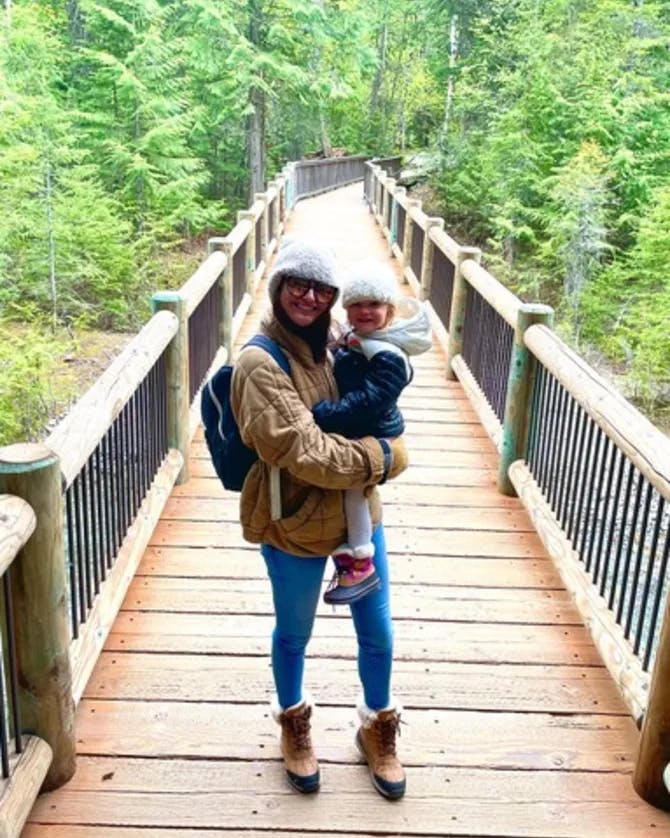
x: 17, y: 523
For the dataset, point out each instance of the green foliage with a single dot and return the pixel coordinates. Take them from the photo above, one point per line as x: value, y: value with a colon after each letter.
x: 556, y: 160
x: 630, y: 305
x: 131, y: 130
x: 28, y: 360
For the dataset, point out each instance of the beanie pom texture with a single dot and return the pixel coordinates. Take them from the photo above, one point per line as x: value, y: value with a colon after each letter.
x: 370, y: 280
x: 304, y: 260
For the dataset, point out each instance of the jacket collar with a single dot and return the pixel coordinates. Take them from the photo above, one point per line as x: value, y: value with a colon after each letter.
x: 294, y: 345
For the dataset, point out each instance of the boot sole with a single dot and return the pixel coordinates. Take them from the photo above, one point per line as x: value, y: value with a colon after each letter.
x: 390, y: 793
x: 305, y: 785
x: 347, y: 595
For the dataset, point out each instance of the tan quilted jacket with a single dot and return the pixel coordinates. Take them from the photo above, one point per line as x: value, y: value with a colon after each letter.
x: 311, y: 468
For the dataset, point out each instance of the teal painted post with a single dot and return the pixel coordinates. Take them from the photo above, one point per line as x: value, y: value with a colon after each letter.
x: 39, y: 596
x: 225, y: 283
x: 459, y: 298
x: 249, y: 256
x: 177, y: 374
x: 519, y: 388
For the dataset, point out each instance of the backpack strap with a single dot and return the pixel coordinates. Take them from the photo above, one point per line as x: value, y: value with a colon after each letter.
x: 272, y: 348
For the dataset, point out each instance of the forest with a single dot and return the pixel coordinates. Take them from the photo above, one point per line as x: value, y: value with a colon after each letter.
x: 131, y: 130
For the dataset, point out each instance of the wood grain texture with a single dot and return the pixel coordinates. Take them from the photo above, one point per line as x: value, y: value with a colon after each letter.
x: 513, y: 724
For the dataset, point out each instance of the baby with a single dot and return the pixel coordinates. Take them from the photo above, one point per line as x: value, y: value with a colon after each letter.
x: 372, y: 368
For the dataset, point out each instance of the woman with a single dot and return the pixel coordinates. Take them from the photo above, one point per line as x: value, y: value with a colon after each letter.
x: 292, y: 504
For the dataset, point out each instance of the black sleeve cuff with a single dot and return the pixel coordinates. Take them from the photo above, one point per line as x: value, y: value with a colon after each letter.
x: 388, y: 459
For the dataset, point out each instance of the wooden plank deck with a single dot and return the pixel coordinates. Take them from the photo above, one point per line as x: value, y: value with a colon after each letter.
x: 514, y: 727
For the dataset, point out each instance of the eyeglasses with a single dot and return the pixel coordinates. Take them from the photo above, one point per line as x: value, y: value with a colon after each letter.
x: 299, y: 287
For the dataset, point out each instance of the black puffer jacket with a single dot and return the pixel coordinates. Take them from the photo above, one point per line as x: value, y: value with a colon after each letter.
x: 369, y: 392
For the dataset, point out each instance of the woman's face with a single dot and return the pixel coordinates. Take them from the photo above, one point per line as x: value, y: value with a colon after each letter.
x: 304, y: 301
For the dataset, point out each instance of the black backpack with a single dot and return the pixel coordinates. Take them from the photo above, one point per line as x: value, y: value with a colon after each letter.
x: 232, y: 459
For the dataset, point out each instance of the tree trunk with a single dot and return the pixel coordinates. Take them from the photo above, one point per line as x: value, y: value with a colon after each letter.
x: 381, y: 66
x: 453, y: 53
x: 255, y: 142
x: 326, y: 144
x: 256, y: 121
x: 51, y: 243
x: 75, y: 22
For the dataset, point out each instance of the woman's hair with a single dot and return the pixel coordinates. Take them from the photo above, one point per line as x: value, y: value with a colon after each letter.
x: 316, y: 335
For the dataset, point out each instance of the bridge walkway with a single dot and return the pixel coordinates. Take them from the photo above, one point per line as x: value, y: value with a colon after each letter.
x: 513, y: 725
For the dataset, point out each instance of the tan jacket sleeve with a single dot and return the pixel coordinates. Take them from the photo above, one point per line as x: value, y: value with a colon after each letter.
x: 274, y: 421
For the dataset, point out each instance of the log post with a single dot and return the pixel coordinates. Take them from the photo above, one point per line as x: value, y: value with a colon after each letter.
x: 412, y: 203
x: 274, y: 211
x: 519, y: 388
x: 379, y: 195
x: 459, y: 298
x: 225, y: 283
x: 281, y: 206
x: 426, y: 278
x: 289, y: 202
x: 39, y: 596
x: 387, y: 208
x: 652, y: 772
x: 399, y: 191
x: 249, y: 254
x: 177, y: 374
x: 263, y: 196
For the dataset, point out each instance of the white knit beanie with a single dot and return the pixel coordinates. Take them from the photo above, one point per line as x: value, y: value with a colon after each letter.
x: 304, y: 260
x: 370, y: 280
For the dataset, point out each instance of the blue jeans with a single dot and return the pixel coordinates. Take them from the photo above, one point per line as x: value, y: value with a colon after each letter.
x: 296, y: 587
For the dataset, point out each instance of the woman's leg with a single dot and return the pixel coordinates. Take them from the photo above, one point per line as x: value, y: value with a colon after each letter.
x: 374, y: 630
x: 296, y: 585
x: 379, y: 713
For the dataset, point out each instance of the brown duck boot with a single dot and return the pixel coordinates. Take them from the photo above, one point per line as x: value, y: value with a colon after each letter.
x: 376, y: 741
x: 302, y: 769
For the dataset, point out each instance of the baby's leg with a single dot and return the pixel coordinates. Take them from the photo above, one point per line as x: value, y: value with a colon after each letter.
x: 355, y: 576
x: 359, y: 525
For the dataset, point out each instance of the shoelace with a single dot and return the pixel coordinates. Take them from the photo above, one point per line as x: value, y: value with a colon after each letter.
x: 387, y: 732
x: 300, y: 731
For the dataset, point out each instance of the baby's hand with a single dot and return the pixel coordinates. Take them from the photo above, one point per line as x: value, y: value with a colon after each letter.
x: 319, y: 409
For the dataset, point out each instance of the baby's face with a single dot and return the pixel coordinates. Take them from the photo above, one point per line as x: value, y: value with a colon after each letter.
x: 367, y: 316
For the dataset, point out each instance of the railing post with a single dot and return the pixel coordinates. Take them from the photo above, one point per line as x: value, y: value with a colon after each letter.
x: 39, y: 596
x: 263, y: 196
x: 274, y: 209
x: 459, y: 298
x: 387, y: 203
x: 426, y: 278
x: 399, y: 191
x: 519, y: 388
x: 412, y: 203
x: 225, y: 283
x: 289, y: 174
x: 249, y: 255
x: 177, y: 375
x: 379, y: 195
x: 651, y: 771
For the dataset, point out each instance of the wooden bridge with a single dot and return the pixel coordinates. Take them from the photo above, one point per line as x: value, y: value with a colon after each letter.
x: 517, y: 724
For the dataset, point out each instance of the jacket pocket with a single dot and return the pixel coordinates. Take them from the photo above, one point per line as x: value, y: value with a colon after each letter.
x: 304, y: 516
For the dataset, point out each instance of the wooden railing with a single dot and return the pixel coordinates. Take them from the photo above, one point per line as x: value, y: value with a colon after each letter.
x: 24, y: 759
x: 99, y: 482
x: 593, y: 473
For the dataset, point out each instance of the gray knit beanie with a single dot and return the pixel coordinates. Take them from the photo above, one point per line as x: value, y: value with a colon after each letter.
x: 370, y: 280
x: 304, y: 260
